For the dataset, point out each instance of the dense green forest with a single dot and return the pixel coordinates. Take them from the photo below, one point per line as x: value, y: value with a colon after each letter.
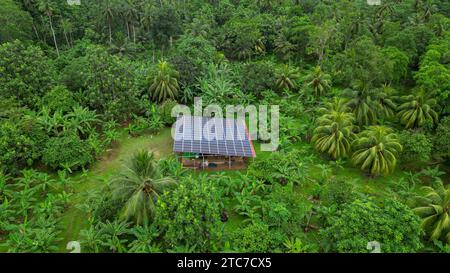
x: 86, y: 92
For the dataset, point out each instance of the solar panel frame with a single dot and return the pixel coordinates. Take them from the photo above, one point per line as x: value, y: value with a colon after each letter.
x: 190, y: 136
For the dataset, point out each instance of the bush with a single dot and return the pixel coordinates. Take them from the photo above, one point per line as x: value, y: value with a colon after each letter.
x: 257, y: 238
x: 258, y: 77
x: 190, y: 216
x: 59, y: 98
x: 441, y: 140
x: 392, y: 224
x: 26, y: 73
x: 416, y: 147
x: 337, y: 191
x: 21, y: 143
x: 67, y: 151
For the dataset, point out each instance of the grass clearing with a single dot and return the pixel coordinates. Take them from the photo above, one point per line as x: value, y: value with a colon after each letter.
x: 74, y: 220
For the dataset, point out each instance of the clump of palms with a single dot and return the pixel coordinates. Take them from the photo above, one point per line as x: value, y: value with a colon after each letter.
x: 376, y: 150
x: 318, y: 81
x: 434, y: 209
x: 139, y: 186
x: 286, y: 78
x: 364, y: 104
x: 164, y: 83
x: 417, y: 109
x: 334, y: 132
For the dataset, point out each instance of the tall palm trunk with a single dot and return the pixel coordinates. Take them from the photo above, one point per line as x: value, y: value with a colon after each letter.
x: 110, y: 31
x: 53, y: 33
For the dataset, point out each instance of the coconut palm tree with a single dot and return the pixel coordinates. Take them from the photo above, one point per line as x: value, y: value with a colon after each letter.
x: 434, y: 209
x: 164, y: 82
x: 46, y: 6
x: 319, y: 81
x: 139, y: 186
x: 364, y: 104
x: 417, y: 109
x: 334, y: 134
x: 108, y: 10
x: 286, y: 78
x: 376, y: 150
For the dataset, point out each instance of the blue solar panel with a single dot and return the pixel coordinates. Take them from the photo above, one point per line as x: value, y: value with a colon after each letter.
x: 214, y: 136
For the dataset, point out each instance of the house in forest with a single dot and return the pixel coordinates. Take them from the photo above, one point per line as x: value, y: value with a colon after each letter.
x: 212, y: 143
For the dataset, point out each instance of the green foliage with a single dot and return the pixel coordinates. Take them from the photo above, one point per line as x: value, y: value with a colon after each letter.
x: 318, y: 81
x: 433, y: 206
x: 67, y: 151
x: 441, y: 139
x: 417, y: 147
x: 390, y: 223
x: 417, y: 109
x: 190, y: 215
x: 20, y: 76
x: 364, y: 62
x: 241, y: 37
x: 140, y: 186
x: 163, y: 82
x: 337, y: 191
x: 376, y: 150
x: 21, y: 142
x: 59, y: 99
x: 286, y: 78
x: 258, y: 77
x: 334, y: 132
x: 16, y: 23
x: 256, y: 238
x: 284, y: 167
x: 109, y: 84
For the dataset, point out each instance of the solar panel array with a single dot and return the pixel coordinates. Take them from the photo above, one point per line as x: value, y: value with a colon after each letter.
x: 213, y: 136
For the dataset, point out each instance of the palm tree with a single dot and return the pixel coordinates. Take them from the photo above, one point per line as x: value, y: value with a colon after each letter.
x: 417, y: 109
x: 286, y: 78
x: 139, y: 186
x: 67, y: 31
x: 108, y: 12
x: 319, y: 81
x: 164, y: 83
x: 376, y: 150
x: 46, y: 6
x: 364, y: 104
x: 434, y: 209
x: 386, y: 104
x: 334, y: 134
x: 130, y: 14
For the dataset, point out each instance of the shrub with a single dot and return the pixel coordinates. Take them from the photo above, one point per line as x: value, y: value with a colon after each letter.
x: 190, y: 215
x: 59, y: 98
x: 416, y: 147
x: 26, y: 73
x: 257, y: 238
x: 337, y: 191
x: 20, y: 143
x: 441, y: 140
x: 258, y: 77
x: 392, y: 224
x: 67, y: 151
